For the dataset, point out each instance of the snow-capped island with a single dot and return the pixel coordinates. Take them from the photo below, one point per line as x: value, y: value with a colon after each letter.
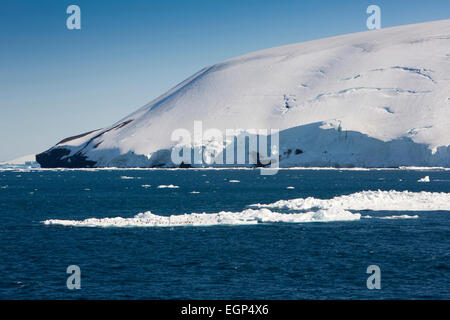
x: 371, y: 99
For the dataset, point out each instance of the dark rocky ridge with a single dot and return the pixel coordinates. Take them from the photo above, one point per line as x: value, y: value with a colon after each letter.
x: 56, y: 158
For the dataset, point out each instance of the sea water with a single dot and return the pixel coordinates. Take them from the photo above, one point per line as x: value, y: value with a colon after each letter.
x: 224, y: 234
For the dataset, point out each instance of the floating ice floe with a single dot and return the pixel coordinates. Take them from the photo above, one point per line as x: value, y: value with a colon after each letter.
x: 170, y: 186
x: 369, y: 200
x: 316, y: 210
x: 424, y: 179
x: 248, y: 216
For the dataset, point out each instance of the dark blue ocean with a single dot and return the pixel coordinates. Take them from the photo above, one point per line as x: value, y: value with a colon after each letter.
x: 319, y: 260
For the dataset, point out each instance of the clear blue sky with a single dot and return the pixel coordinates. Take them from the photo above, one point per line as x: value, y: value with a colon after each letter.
x: 56, y: 83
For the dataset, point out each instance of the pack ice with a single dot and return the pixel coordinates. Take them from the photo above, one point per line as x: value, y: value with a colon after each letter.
x: 301, y: 210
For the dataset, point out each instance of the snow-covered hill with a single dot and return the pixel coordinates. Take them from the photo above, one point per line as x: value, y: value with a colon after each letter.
x: 25, y: 162
x: 372, y: 99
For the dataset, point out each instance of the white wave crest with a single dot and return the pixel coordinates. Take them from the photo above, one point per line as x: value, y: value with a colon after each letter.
x: 129, y: 178
x: 403, y: 216
x: 370, y: 200
x: 170, y: 186
x: 245, y: 217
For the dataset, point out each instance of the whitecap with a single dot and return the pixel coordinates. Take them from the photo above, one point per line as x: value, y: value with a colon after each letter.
x: 170, y: 186
x: 403, y: 216
x: 128, y: 178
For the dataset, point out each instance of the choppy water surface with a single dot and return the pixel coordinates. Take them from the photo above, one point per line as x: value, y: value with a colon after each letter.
x: 143, y: 234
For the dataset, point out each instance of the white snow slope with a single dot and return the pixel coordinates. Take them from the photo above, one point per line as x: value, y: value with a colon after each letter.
x: 371, y: 99
x: 24, y: 162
